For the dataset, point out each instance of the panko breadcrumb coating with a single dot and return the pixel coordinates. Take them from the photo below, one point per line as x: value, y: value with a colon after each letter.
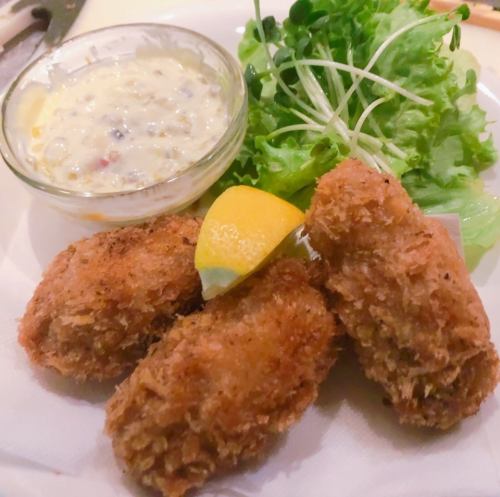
x: 105, y: 299
x: 404, y: 295
x: 218, y: 388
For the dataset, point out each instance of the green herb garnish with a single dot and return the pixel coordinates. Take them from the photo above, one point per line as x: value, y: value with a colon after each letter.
x: 374, y: 80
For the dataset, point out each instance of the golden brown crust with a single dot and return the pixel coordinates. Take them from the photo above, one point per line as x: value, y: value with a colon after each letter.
x: 104, y: 299
x: 404, y: 295
x: 224, y: 381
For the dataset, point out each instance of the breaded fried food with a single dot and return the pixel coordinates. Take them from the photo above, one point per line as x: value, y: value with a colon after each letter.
x: 404, y: 295
x: 105, y: 299
x: 225, y: 381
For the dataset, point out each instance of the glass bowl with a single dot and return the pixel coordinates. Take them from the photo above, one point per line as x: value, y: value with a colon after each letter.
x: 170, y: 195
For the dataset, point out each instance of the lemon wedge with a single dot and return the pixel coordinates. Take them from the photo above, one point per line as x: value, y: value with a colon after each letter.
x: 240, y: 231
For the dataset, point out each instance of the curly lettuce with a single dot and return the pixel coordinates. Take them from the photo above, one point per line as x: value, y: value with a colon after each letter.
x: 373, y: 80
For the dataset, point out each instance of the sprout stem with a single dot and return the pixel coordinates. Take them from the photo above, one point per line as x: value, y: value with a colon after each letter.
x: 380, y: 50
x: 302, y: 116
x: 382, y: 162
x: 366, y: 158
x: 337, y: 82
x: 319, y: 99
x: 362, y: 99
x: 359, y: 72
x: 274, y: 69
x: 396, y: 150
x: 296, y: 127
x: 373, y: 123
x: 362, y: 119
x: 314, y: 91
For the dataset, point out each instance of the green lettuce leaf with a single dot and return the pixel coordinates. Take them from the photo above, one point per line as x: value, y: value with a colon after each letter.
x: 433, y: 138
x: 478, y: 210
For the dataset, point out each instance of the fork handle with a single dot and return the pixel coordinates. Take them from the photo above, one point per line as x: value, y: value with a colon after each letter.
x: 12, y: 23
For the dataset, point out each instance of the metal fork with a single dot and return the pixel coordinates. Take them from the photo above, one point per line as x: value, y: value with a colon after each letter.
x: 18, y: 15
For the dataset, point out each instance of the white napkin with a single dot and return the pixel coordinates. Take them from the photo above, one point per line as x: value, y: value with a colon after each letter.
x: 348, y: 445
x: 42, y: 417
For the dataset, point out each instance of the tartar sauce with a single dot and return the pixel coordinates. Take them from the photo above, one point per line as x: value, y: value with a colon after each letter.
x: 125, y: 124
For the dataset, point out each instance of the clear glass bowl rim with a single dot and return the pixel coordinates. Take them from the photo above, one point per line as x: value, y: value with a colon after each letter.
x: 226, y: 139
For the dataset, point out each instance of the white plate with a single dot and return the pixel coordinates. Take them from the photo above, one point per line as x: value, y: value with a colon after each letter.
x: 348, y: 445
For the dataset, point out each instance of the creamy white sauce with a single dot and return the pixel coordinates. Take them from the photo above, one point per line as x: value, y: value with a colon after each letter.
x: 125, y: 124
